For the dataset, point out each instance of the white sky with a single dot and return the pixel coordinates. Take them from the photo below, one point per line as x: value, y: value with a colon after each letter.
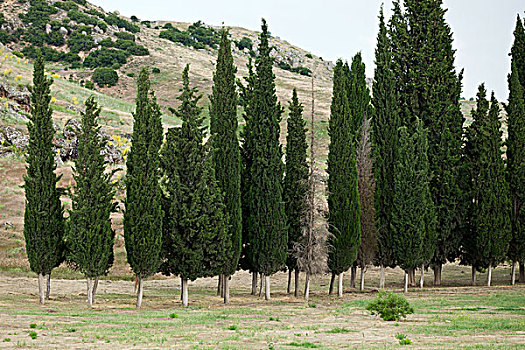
x: 340, y: 28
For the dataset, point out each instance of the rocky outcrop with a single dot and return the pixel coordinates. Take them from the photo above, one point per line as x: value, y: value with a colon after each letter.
x: 20, y: 95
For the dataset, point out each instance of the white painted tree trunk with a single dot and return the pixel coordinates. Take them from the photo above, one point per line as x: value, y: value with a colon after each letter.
x: 406, y: 282
x: 362, y: 283
x: 185, y: 292
x: 140, y: 283
x: 95, y: 286
x: 89, y: 282
x: 473, y: 275
x: 307, y: 287
x: 227, y: 289
x: 340, y: 285
x: 48, y: 286
x: 296, y: 280
x: 489, y: 276
x: 41, y: 292
x: 513, y: 274
x: 254, y: 283
x: 382, y: 277
x: 422, y: 279
x: 267, y: 287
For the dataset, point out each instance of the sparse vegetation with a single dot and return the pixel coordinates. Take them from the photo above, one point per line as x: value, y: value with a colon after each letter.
x: 105, y: 77
x: 198, y: 36
x: 390, y: 306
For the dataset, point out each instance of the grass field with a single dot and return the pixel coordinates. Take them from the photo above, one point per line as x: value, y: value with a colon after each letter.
x: 456, y: 316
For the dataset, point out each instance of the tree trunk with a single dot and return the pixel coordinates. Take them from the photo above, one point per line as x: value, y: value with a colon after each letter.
x: 296, y: 280
x: 139, y: 291
x: 513, y: 274
x: 489, y: 275
x: 185, y: 292
x: 41, y: 292
x: 353, y: 272
x: 307, y: 286
x: 340, y: 285
x: 48, y: 286
x: 266, y: 287
x: 262, y: 285
x: 362, y: 284
x: 406, y: 282
x: 254, y: 283
x: 332, y: 280
x: 227, y: 289
x: 412, y: 277
x: 522, y: 272
x: 381, y: 277
x: 473, y: 275
x: 219, y: 286
x: 181, y: 281
x: 422, y: 279
x: 437, y: 274
x: 289, y: 288
x: 89, y: 292
x: 95, y: 286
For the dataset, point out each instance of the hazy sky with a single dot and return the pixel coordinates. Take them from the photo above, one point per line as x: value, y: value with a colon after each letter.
x: 340, y: 28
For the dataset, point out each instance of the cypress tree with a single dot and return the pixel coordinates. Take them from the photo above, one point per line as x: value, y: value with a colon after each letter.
x: 358, y: 95
x: 266, y: 220
x: 226, y: 152
x: 196, y: 239
x: 90, y: 238
x: 295, y: 183
x: 516, y: 168
x: 489, y: 214
x: 413, y: 215
x: 430, y: 89
x: 513, y: 145
x: 343, y: 198
x: 143, y: 215
x: 384, y: 124
x: 43, y: 216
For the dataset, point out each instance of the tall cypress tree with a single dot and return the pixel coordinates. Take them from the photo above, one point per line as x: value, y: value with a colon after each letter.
x: 516, y: 168
x: 90, y: 238
x: 358, y: 95
x: 295, y: 183
x: 385, y: 122
x: 413, y: 215
x: 266, y: 220
x: 143, y: 215
x: 515, y: 158
x: 196, y: 239
x: 343, y: 198
x: 487, y: 241
x: 44, y: 214
x: 430, y: 89
x: 226, y: 152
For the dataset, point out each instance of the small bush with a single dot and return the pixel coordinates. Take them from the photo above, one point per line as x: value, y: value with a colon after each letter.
x: 232, y: 327
x: 155, y: 70
x: 174, y: 315
x: 96, y: 13
x: 403, y: 340
x: 390, y: 306
x: 105, y: 77
x: 309, y: 55
x: 125, y: 36
x: 80, y: 42
x: 66, y: 5
x: 89, y: 85
x: 244, y: 43
x: 134, y: 19
x: 32, y: 325
x: 33, y: 334
x: 80, y: 17
x: 113, y: 19
x: 106, y: 58
x: 130, y: 74
x: 7, y: 340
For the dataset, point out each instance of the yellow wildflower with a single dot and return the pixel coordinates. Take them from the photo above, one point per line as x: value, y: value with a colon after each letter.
x: 53, y: 99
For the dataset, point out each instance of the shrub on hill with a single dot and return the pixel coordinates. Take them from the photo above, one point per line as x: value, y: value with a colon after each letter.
x: 104, y: 57
x: 38, y: 14
x: 300, y: 70
x: 81, y: 2
x: 390, y: 306
x: 125, y: 36
x: 51, y: 55
x: 105, y: 77
x: 80, y: 17
x: 244, y: 43
x: 80, y: 42
x: 66, y: 5
x: 114, y: 20
x: 197, y: 36
x: 95, y: 13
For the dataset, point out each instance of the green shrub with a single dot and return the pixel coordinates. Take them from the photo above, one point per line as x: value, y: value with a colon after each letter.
x: 51, y: 55
x: 113, y: 19
x: 244, y: 43
x: 403, y: 339
x: 106, y: 58
x: 309, y: 55
x: 125, y: 36
x: 105, y: 77
x: 197, y: 36
x: 89, y: 85
x: 4, y: 37
x: 33, y: 334
x: 130, y: 74
x: 38, y: 14
x: 2, y: 19
x: 155, y: 70
x: 80, y: 17
x: 146, y: 23
x: 80, y: 42
x: 390, y: 306
x: 95, y: 13
x: 168, y: 26
x: 66, y: 5
x: 18, y: 54
x: 32, y: 325
x: 174, y: 315
x: 81, y: 2
x: 134, y: 19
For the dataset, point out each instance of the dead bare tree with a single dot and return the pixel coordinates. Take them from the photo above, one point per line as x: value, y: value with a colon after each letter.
x: 366, y: 186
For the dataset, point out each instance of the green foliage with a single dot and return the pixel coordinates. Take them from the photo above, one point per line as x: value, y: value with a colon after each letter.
x: 134, y: 18
x: 244, y: 43
x: 309, y: 55
x: 155, y: 70
x: 105, y: 57
x: 90, y: 85
x: 81, y: 2
x: 33, y: 335
x: 146, y: 23
x: 197, y: 36
x: 266, y: 218
x: 195, y: 238
x: 43, y: 217
x: 114, y: 20
x: 2, y: 19
x: 143, y: 215
x: 51, y: 54
x: 390, y: 306
x: 518, y: 50
x: 413, y: 216
x: 403, y: 339
x: 301, y: 70
x: 81, y: 17
x: 96, y: 13
x: 32, y: 325
x: 343, y: 199
x: 105, y: 77
x: 125, y: 36
x: 358, y: 95
x: 225, y: 147
x: 66, y: 5
x: 79, y: 42
x: 174, y: 315
x: 4, y: 37
x: 90, y: 237
x: 38, y: 14
x: 296, y: 178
